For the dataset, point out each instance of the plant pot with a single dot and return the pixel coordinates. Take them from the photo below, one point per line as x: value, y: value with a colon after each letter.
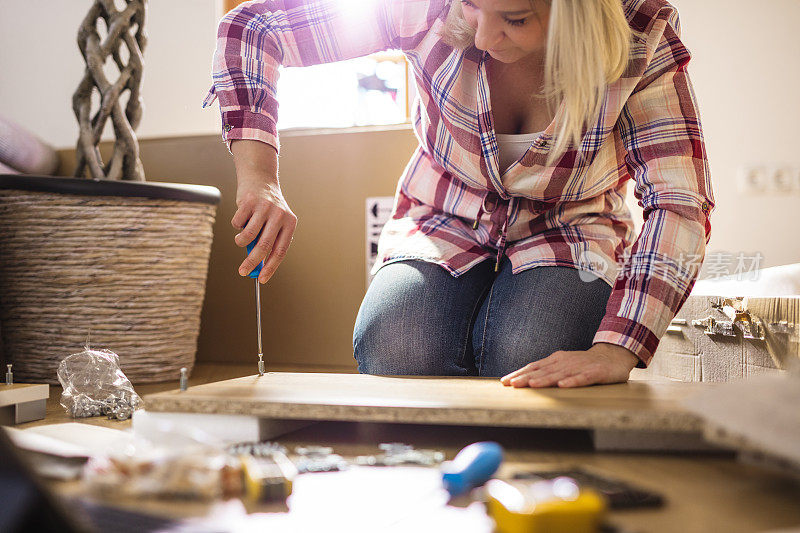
x: 120, y: 264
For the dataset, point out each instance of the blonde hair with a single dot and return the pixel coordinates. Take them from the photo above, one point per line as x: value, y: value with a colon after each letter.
x: 588, y: 45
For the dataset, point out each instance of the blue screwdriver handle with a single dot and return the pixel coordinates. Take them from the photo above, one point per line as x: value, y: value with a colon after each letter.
x: 472, y: 467
x: 257, y: 270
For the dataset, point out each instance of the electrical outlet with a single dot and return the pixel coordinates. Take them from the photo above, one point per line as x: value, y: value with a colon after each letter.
x: 784, y: 180
x: 754, y: 180
x: 769, y: 179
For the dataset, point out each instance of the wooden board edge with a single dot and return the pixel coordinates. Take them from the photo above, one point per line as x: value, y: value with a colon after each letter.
x: 23, y: 392
x: 668, y: 420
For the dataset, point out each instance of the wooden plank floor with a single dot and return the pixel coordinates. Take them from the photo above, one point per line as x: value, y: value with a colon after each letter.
x: 430, y: 400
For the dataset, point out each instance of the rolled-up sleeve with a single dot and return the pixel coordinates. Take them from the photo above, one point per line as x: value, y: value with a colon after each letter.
x: 666, y: 157
x: 255, y: 38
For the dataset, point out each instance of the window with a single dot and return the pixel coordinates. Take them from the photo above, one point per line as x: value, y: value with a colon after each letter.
x: 370, y: 90
x: 365, y: 91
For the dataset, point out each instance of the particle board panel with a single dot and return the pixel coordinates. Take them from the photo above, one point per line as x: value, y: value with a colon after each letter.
x: 22, y: 402
x: 638, y: 405
x: 22, y: 392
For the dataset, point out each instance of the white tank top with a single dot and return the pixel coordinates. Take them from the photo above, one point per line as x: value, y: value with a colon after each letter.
x: 512, y: 147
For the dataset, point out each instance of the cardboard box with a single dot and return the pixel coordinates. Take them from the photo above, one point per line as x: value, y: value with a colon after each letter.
x: 739, y: 332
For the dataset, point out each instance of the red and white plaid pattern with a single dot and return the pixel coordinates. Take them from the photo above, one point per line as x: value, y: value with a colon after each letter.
x: 454, y: 207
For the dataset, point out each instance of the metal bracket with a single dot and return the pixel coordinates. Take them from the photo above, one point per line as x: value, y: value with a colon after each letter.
x: 715, y: 327
x: 786, y: 328
x: 751, y: 327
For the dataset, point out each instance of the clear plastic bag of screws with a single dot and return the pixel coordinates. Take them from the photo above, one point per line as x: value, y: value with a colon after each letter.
x: 94, y: 385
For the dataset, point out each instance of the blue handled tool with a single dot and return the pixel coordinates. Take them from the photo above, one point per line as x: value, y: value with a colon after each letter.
x: 472, y: 467
x: 254, y: 274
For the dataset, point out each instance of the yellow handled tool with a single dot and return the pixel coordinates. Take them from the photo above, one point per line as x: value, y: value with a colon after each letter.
x: 547, y: 506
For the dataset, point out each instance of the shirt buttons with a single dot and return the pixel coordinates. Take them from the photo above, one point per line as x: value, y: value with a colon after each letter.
x: 705, y: 207
x: 228, y: 127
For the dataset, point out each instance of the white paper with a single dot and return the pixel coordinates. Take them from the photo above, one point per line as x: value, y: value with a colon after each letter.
x: 776, y: 281
x: 360, y: 500
x: 69, y: 440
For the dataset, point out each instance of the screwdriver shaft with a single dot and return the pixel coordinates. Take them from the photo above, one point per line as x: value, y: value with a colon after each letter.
x: 258, y: 329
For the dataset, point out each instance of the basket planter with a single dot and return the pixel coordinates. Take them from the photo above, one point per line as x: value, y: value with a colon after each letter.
x: 123, y: 264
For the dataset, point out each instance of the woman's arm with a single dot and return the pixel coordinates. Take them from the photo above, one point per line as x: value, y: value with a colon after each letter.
x: 260, y: 204
x: 253, y: 40
x: 665, y: 154
x: 256, y: 38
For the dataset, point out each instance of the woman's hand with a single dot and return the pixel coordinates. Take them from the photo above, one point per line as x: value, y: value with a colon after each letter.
x: 261, y: 205
x: 602, y: 363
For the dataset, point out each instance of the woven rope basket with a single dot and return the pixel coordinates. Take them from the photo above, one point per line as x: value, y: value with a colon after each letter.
x: 129, y: 273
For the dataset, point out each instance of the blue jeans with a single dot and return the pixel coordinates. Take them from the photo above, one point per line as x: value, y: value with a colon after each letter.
x: 417, y: 319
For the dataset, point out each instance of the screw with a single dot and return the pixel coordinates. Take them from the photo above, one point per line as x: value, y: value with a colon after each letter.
x: 184, y: 380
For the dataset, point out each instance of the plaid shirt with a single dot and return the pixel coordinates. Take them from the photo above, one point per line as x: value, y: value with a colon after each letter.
x: 452, y: 204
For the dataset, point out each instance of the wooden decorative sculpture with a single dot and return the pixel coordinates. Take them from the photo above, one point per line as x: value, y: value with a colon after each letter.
x: 125, y: 36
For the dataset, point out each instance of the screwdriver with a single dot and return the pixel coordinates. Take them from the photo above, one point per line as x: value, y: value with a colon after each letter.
x: 254, y: 274
x: 473, y: 466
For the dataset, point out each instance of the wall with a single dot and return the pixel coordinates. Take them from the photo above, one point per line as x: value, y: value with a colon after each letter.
x: 310, y: 304
x: 41, y: 66
x: 746, y: 74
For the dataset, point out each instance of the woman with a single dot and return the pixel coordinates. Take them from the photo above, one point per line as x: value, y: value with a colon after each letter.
x: 532, y: 117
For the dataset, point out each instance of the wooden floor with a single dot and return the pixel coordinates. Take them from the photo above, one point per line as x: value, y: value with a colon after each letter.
x: 704, y: 492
